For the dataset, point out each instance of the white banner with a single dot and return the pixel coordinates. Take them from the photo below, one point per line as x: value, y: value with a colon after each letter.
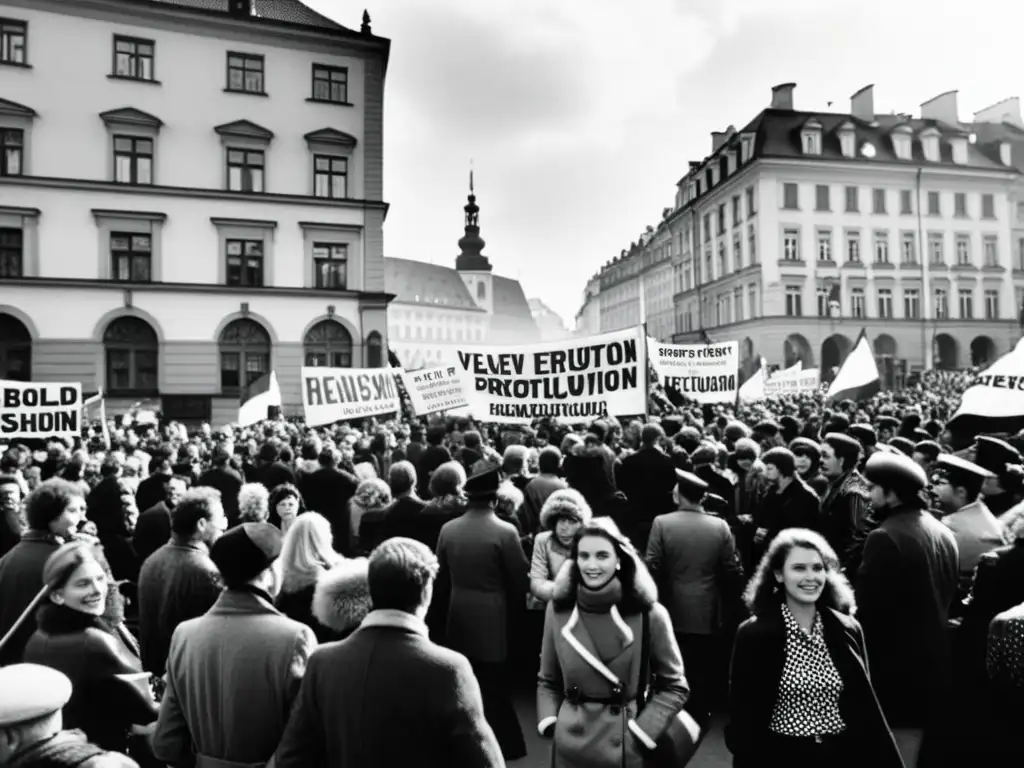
x: 804, y: 382
x: 31, y: 409
x: 573, y: 380
x: 336, y: 394
x: 434, y: 389
x: 997, y: 393
x: 706, y: 373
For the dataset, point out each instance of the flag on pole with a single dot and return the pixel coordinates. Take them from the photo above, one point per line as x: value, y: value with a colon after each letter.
x: 753, y: 388
x: 995, y: 401
x: 794, y: 371
x: 95, y: 408
x: 858, y: 378
x: 258, y: 398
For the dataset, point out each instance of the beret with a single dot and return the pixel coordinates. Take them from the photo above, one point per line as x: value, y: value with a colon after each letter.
x: 690, y: 485
x: 767, y: 428
x: 802, y: 446
x: 903, y: 444
x: 245, y: 551
x: 483, y: 485
x: 896, y: 471
x: 864, y: 433
x: 29, y: 691
x: 843, y: 444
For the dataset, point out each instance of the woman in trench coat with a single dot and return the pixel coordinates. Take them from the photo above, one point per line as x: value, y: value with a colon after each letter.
x: 591, y: 656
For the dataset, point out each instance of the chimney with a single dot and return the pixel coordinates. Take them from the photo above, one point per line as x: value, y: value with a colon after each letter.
x: 717, y: 140
x: 942, y: 108
x: 1006, y: 111
x: 782, y: 96
x: 240, y: 8
x: 862, y: 104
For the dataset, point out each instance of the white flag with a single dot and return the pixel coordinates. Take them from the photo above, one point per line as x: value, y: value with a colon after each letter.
x: 858, y: 377
x: 753, y: 388
x: 995, y: 401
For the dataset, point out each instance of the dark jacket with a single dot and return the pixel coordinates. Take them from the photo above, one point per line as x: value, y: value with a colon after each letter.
x: 758, y: 657
x: 151, y: 491
x: 328, y: 491
x: 795, y: 507
x: 332, y: 604
x: 69, y: 749
x: 648, y: 478
x: 402, y: 518
x: 229, y: 483
x: 437, y: 721
x: 844, y: 518
x: 152, y: 530
x: 271, y: 475
x: 21, y: 578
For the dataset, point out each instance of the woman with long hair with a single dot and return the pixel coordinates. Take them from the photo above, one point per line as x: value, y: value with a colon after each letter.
x: 592, y: 653
x: 799, y: 689
x: 307, y: 553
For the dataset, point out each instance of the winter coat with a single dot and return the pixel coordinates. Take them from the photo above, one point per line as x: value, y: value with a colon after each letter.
x: 333, y: 603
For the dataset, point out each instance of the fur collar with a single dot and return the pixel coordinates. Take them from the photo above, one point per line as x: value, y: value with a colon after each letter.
x: 56, y: 619
x: 341, y: 599
x: 644, y: 594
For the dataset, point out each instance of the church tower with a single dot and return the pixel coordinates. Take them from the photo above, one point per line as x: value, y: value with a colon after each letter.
x: 473, y: 267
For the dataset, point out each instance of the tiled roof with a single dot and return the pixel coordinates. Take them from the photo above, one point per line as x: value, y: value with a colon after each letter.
x: 417, y: 282
x: 288, y: 11
x: 991, y: 134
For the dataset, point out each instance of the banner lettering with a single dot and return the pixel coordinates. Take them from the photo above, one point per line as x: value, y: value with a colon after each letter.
x: 40, y: 410
x: 804, y: 382
x: 434, y: 389
x: 336, y: 394
x: 706, y: 373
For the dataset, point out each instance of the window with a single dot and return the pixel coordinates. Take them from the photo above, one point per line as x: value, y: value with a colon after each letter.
x: 847, y: 141
x: 853, y: 247
x: 330, y: 264
x: 15, y: 349
x: 722, y: 266
x: 911, y: 303
x: 881, y: 247
x: 13, y: 35
x: 244, y: 354
x: 791, y: 245
x: 375, y: 350
x: 132, y: 353
x: 941, y: 304
x: 330, y: 84
x: 936, y: 248
x: 930, y: 145
x: 794, y: 301
x: 746, y: 147
x: 990, y: 243
x: 721, y: 219
x: 963, y: 250
x: 901, y: 145
x: 131, y: 257
x: 245, y: 170
x: 133, y: 58
x: 821, y: 198
x: 878, y: 199
x: 737, y: 301
x: 822, y: 301
x: 857, y: 302
x: 11, y: 253
x: 824, y: 245
x: 244, y: 262
x: 328, y: 344
x: 752, y: 298
x: 959, y: 147
x: 330, y: 176
x: 751, y: 208
x: 960, y: 205
x: 752, y: 244
x: 790, y: 198
x: 133, y: 160
x: 245, y: 73
x: 934, y: 209
x: 906, y: 201
x: 992, y: 305
x: 1020, y: 253
x: 852, y: 195
x: 812, y: 143
x: 908, y: 249
x: 12, y: 151
x: 988, y: 207
x: 707, y: 227
x: 735, y: 210
x: 884, y: 303
x: 737, y: 251
x: 966, y: 304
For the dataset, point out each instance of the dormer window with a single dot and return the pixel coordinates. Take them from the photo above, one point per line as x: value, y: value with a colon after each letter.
x: 810, y: 137
x: 746, y: 147
x: 691, y: 190
x: 714, y: 174
x: 959, y: 146
x: 848, y: 139
x: 902, y: 142
x: 730, y: 162
x: 1005, y: 153
x: 930, y: 144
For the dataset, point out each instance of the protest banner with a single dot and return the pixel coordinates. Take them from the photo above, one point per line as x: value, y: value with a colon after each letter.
x: 995, y: 400
x: 705, y: 373
x: 573, y: 381
x: 434, y: 389
x: 336, y: 394
x: 783, y: 383
x: 33, y: 409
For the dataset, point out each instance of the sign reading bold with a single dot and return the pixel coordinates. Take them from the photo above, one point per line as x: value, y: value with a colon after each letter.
x: 30, y: 409
x: 434, y: 389
x: 574, y: 381
x: 706, y: 373
x: 336, y: 394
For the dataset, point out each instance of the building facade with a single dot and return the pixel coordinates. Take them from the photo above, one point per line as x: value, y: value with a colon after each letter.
x: 550, y: 325
x: 588, y: 316
x: 802, y: 228
x: 190, y: 196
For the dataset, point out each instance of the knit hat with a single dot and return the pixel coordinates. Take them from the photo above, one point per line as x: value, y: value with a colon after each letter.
x: 245, y: 551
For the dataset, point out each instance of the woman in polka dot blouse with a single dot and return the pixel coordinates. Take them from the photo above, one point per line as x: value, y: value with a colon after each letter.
x: 800, y: 692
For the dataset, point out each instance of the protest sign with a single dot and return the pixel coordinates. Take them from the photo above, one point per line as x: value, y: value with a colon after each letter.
x: 434, y: 389
x: 785, y: 383
x: 573, y: 381
x: 336, y: 394
x: 995, y: 400
x: 706, y: 373
x: 32, y: 409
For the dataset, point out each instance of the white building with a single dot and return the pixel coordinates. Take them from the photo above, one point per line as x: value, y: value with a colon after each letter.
x: 588, y: 316
x: 190, y: 195
x: 549, y: 324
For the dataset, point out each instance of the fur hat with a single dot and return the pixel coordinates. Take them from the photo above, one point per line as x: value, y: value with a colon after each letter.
x: 565, y: 503
x: 341, y: 599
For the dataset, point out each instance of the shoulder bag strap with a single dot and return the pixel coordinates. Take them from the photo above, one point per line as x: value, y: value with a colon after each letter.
x: 645, y: 662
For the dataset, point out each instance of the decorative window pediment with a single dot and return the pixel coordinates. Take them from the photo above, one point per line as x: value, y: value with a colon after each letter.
x: 810, y: 137
x: 330, y: 141
x: 130, y: 117
x: 14, y: 109
x: 245, y: 130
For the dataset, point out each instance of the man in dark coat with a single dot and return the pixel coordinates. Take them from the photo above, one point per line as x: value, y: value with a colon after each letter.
x: 226, y: 479
x: 704, y: 460
x: 846, y: 508
x: 790, y: 504
x: 648, y: 478
x: 153, y: 528
x: 999, y: 458
x: 152, y: 490
x: 407, y: 701
x: 270, y: 470
x: 328, y: 491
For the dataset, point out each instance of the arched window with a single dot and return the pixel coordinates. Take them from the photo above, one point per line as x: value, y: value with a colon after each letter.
x: 132, y: 352
x: 244, y: 354
x: 328, y: 344
x: 481, y: 290
x: 15, y: 349
x: 374, y: 351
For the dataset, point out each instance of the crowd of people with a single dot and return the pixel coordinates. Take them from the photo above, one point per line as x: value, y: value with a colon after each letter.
x: 843, y: 581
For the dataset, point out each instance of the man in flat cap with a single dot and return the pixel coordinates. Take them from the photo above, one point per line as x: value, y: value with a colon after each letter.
x: 1003, y: 461
x: 31, y: 699
x: 846, y: 506
x: 233, y: 673
x: 705, y: 466
x: 692, y: 557
x: 905, y: 585
x: 484, y: 575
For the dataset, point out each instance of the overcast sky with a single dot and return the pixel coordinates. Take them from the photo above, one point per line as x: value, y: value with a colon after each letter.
x: 580, y: 115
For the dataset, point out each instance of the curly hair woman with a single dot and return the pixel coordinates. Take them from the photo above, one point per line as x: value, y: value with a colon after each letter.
x: 799, y: 689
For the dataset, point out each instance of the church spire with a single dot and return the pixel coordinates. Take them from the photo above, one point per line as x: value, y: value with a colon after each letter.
x: 471, y: 244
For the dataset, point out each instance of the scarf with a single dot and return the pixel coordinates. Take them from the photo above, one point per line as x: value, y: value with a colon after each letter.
x: 599, y: 600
